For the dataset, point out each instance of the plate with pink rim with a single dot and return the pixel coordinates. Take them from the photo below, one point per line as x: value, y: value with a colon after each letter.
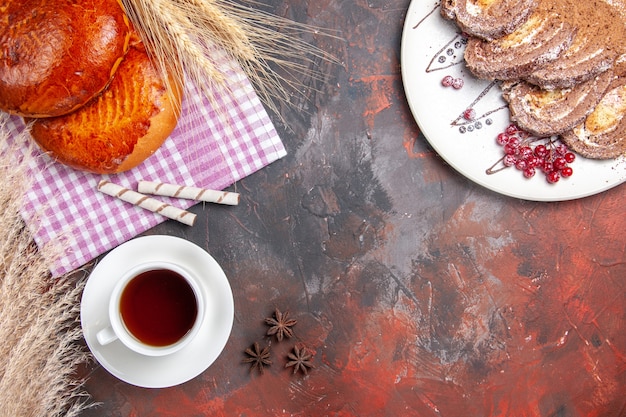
x: 432, y: 49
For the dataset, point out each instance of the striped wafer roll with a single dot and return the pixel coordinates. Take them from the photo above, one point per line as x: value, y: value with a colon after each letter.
x: 189, y: 193
x: 146, y: 202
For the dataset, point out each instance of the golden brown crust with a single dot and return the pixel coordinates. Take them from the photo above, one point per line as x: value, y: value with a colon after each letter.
x: 541, y: 39
x: 603, y: 133
x: 120, y: 128
x: 488, y: 19
x: 549, y: 112
x: 599, y: 41
x: 55, y: 55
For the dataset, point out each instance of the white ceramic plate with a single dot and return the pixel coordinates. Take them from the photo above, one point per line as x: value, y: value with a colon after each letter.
x: 193, y: 359
x: 432, y: 48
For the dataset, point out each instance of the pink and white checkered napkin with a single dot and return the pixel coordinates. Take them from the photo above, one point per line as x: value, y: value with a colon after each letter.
x: 206, y: 149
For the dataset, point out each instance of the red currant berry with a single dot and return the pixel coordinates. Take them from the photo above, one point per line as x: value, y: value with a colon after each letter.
x: 447, y: 81
x: 521, y: 164
x: 525, y: 152
x: 502, y: 139
x: 533, y: 161
x: 569, y: 157
x: 529, y: 172
x: 514, y: 141
x: 561, y: 149
x: 511, y: 129
x: 547, y: 167
x: 510, y: 149
x: 567, y: 172
x: 553, y: 177
x: 509, y: 160
x: 541, y: 151
x: 559, y: 163
x: 457, y: 83
x: 469, y: 114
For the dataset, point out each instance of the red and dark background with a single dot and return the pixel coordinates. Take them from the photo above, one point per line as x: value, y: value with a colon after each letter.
x: 419, y: 292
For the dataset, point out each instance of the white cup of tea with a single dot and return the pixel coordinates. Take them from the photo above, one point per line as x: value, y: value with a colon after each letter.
x: 155, y: 309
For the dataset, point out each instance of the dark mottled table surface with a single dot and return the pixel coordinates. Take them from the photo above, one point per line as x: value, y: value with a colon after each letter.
x: 418, y: 292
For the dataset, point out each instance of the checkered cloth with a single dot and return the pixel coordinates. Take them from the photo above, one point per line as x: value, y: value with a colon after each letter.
x: 208, y: 149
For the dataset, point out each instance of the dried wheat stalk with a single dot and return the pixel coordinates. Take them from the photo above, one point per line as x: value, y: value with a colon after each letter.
x: 40, y: 335
x: 188, y: 36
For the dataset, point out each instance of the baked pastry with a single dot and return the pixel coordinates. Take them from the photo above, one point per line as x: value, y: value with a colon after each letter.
x: 603, y: 133
x: 549, y: 112
x: 558, y: 69
x: 539, y: 40
x: 56, y: 55
x: 489, y: 19
x: 120, y: 128
x: 598, y: 42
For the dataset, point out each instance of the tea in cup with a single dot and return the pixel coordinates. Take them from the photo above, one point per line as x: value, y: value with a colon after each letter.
x: 155, y: 309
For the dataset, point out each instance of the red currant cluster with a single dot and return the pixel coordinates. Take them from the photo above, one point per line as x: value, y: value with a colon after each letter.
x: 450, y: 81
x: 551, y: 157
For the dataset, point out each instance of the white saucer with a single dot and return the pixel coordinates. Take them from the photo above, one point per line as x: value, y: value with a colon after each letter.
x: 189, y: 362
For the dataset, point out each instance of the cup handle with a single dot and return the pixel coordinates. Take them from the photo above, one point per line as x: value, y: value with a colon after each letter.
x: 106, y: 336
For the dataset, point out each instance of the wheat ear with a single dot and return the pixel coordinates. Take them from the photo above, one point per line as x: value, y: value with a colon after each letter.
x: 192, y: 36
x: 226, y: 30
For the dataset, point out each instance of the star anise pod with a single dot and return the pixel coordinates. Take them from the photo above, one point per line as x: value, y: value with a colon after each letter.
x: 281, y: 325
x: 300, y: 359
x: 259, y: 358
